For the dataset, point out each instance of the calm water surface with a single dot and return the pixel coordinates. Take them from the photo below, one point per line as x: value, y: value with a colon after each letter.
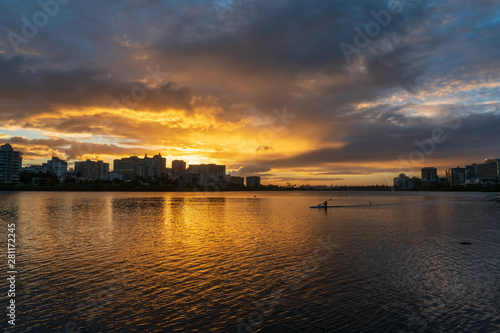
x: 232, y: 262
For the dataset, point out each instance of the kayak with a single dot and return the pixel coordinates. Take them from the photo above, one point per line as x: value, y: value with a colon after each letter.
x: 322, y: 206
x: 350, y: 206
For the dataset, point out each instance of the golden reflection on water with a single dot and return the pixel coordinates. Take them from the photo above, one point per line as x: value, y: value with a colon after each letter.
x: 199, y: 261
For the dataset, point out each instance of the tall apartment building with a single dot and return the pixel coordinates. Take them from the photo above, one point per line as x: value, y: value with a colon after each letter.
x: 92, y: 170
x: 253, y: 181
x: 402, y: 182
x: 456, y: 176
x: 178, y: 168
x: 429, y: 175
x: 57, y: 167
x: 129, y: 167
x: 134, y: 166
x: 154, y: 166
x: 471, y: 171
x: 208, y: 174
x: 489, y: 169
x: 10, y: 164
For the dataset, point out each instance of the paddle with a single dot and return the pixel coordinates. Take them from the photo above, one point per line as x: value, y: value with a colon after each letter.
x: 323, y: 202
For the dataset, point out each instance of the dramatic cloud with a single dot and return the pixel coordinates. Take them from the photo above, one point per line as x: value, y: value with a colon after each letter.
x: 287, y: 89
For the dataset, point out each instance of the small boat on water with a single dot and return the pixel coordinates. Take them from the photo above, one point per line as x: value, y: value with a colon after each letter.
x: 323, y: 206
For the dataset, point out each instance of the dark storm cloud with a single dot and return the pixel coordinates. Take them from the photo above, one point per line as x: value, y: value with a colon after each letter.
x: 26, y: 86
x: 385, y: 142
x: 246, y: 170
x: 294, y: 38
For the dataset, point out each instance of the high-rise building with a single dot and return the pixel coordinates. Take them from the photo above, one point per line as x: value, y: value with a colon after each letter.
x: 220, y: 173
x: 456, y: 176
x: 154, y: 166
x: 403, y: 182
x: 10, y: 164
x: 489, y: 169
x: 208, y: 174
x: 57, y: 167
x: 133, y: 166
x: 253, y: 181
x: 178, y: 168
x: 471, y: 171
x: 429, y: 175
x: 129, y: 167
x: 92, y: 170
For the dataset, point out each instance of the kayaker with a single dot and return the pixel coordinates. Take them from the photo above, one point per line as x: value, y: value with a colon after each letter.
x: 326, y: 204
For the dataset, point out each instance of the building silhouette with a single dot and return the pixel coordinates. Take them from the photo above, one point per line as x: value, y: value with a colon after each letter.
x: 456, y: 176
x: 133, y: 166
x: 403, y: 182
x: 253, y: 181
x: 57, y: 167
x: 178, y: 168
x: 484, y: 173
x: 92, y: 170
x: 154, y: 167
x: 429, y: 175
x: 10, y: 164
x: 129, y: 167
x: 207, y: 174
x: 489, y: 169
x: 471, y: 171
x: 237, y: 180
x: 35, y: 168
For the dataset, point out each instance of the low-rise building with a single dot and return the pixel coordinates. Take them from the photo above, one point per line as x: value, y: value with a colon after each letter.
x: 237, y: 180
x: 480, y: 181
x: 71, y: 173
x: 115, y: 176
x: 35, y: 169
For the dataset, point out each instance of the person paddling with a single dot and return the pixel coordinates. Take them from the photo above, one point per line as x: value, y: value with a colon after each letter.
x: 326, y: 204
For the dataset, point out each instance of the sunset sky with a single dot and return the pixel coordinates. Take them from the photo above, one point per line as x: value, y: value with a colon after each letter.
x: 286, y: 89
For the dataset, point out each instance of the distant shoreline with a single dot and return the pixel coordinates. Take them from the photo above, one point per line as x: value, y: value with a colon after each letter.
x: 149, y: 190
